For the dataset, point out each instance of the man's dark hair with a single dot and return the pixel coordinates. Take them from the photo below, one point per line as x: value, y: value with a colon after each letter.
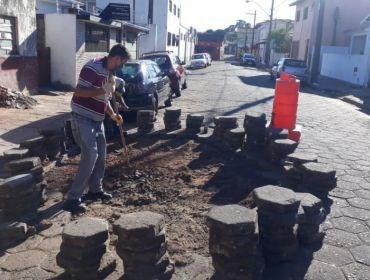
x: 119, y: 50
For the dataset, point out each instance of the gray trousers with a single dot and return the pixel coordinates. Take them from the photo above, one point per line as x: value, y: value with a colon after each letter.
x: 90, y: 136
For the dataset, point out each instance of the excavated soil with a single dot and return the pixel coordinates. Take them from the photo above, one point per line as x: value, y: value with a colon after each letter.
x: 180, y: 179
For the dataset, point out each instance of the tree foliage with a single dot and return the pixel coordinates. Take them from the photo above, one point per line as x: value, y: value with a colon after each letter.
x: 281, y: 41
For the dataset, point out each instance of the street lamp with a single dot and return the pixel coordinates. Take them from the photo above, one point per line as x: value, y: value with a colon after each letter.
x: 271, y: 15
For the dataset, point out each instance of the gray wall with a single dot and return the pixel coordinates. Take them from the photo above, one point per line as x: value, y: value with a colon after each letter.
x: 24, y: 11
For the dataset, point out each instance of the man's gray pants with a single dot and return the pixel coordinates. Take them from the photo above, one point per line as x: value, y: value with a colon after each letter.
x: 90, y: 136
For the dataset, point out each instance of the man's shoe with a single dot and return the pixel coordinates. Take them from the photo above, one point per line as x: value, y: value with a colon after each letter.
x: 96, y: 196
x: 74, y: 206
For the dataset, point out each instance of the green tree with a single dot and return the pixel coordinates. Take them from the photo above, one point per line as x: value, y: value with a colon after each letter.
x: 281, y: 41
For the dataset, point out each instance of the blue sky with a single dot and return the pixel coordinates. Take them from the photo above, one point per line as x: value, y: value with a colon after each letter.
x: 215, y: 14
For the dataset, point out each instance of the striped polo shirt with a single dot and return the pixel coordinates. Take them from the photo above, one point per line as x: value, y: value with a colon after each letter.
x: 93, y: 75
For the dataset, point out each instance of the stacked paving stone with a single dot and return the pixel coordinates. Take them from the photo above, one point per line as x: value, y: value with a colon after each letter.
x: 28, y: 165
x: 142, y: 246
x: 292, y: 168
x: 35, y: 146
x: 53, y: 142
x: 20, y: 196
x: 84, y: 249
x: 318, y: 178
x: 281, y: 148
x: 309, y: 230
x: 11, y: 233
x: 145, y: 121
x: 234, y: 139
x: 233, y: 243
x: 194, y: 122
x: 277, y: 217
x: 255, y: 128
x: 223, y: 125
x: 172, y: 119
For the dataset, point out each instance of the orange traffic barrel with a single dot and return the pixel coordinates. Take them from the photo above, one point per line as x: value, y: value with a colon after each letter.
x: 284, y: 113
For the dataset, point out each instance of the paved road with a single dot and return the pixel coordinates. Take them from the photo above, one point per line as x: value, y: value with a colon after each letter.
x: 334, y: 130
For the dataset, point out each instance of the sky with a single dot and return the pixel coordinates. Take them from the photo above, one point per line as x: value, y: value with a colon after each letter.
x: 220, y: 14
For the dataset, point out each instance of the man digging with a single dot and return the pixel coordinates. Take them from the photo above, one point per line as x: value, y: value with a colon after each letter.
x: 89, y: 104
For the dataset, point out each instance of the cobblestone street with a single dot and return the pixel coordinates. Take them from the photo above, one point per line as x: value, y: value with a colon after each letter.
x: 335, y: 131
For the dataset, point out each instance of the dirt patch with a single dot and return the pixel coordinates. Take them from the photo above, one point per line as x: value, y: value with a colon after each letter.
x: 180, y: 179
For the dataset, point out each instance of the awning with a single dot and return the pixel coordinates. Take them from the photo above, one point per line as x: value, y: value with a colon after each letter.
x: 297, y: 2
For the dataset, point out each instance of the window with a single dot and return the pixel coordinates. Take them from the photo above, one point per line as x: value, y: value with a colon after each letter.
x: 118, y: 36
x: 173, y: 39
x: 305, y: 13
x: 298, y: 16
x: 174, y: 9
x: 169, y: 39
x: 151, y: 73
x: 96, y: 38
x: 8, y: 44
x: 178, y: 12
x: 358, y: 44
x: 170, y: 6
x: 150, y: 12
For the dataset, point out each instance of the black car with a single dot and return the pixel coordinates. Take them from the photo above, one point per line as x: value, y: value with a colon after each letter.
x: 147, y: 87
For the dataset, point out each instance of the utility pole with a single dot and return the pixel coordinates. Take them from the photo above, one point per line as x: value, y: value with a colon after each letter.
x: 268, y: 47
x: 317, y: 52
x: 254, y: 28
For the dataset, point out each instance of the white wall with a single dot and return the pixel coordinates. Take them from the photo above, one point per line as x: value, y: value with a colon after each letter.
x: 45, y: 8
x: 342, y: 67
x: 60, y: 33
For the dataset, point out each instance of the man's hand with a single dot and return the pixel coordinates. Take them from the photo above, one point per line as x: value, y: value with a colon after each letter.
x: 117, y: 118
x: 110, y: 86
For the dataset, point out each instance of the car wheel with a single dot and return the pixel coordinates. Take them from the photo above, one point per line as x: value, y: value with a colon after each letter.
x: 177, y: 91
x: 185, y: 85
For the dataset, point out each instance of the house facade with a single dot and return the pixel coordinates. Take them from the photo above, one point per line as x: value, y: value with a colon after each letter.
x: 163, y: 19
x: 261, y: 36
x: 85, y: 36
x: 18, y: 41
x: 340, y: 21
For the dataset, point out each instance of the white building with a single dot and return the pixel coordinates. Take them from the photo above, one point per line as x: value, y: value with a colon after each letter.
x: 163, y: 19
x: 74, y: 37
x: 261, y: 35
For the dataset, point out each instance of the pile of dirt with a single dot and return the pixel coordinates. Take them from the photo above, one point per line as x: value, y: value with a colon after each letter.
x: 180, y: 179
x: 15, y: 99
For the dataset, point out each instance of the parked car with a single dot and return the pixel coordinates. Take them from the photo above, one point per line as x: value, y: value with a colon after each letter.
x: 209, y: 59
x: 147, y: 86
x: 171, y: 65
x: 249, y: 59
x: 292, y: 66
x: 199, y: 60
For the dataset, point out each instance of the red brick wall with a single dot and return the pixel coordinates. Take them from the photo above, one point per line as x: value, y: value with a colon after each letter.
x: 19, y: 73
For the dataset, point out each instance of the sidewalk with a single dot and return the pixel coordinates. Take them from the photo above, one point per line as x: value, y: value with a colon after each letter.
x: 17, y: 125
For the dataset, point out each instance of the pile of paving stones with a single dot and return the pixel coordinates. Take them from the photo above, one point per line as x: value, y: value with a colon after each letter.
x: 172, y: 119
x: 277, y: 218
x: 194, y: 122
x: 35, y: 146
x: 318, y: 179
x: 233, y: 243
x: 223, y: 124
x: 309, y: 230
x: 280, y: 148
x: 145, y: 121
x: 84, y: 250
x: 292, y: 168
x: 142, y: 246
x: 234, y: 139
x: 255, y: 128
x: 20, y: 196
x: 11, y: 233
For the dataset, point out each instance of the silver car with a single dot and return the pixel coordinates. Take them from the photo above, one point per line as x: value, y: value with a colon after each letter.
x: 291, y: 66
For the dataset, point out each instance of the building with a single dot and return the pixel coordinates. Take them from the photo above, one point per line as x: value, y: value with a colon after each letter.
x: 57, y: 6
x: 163, y: 19
x: 261, y: 36
x: 18, y: 40
x: 75, y: 36
x: 212, y: 43
x: 340, y: 20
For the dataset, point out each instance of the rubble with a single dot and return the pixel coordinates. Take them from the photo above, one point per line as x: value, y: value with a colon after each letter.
x: 84, y: 249
x: 15, y: 99
x: 142, y: 246
x: 233, y: 242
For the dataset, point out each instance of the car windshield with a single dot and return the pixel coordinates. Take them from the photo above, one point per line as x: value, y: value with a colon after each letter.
x: 129, y: 71
x: 164, y: 62
x: 295, y: 63
x: 198, y: 56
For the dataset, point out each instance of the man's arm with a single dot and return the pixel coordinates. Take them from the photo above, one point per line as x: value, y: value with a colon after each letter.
x: 81, y: 91
x: 109, y: 110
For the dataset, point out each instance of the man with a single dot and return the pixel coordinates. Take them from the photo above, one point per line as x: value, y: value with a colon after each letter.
x: 89, y: 105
